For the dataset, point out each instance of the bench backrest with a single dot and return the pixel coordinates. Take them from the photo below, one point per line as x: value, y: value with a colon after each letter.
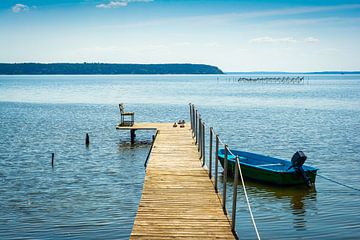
x: 121, y: 107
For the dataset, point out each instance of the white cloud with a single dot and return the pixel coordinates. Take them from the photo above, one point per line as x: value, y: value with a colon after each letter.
x: 19, y: 8
x: 311, y: 40
x: 112, y: 4
x: 273, y: 40
x: 120, y: 3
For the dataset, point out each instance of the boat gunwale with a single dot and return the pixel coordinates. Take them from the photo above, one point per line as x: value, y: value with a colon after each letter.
x: 290, y: 171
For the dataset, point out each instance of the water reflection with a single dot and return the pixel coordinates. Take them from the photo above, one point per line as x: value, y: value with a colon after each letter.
x: 301, y: 200
x: 298, y: 200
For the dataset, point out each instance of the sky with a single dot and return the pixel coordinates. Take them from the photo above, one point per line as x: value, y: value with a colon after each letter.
x: 234, y: 35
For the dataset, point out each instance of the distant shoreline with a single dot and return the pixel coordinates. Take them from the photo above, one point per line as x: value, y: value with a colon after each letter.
x: 320, y: 72
x: 104, y: 69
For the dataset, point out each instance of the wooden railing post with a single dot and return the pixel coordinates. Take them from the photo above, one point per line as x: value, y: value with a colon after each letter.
x: 203, y: 143
x: 191, y: 122
x: 193, y: 113
x: 210, y: 152
x: 196, y: 125
x: 225, y: 178
x: 236, y: 179
x: 216, y: 162
x: 199, y: 136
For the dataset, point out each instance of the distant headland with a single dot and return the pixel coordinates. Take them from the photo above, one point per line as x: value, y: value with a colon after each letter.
x: 282, y: 73
x: 105, y: 68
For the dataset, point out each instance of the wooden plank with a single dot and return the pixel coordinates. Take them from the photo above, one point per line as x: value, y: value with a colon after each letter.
x: 178, y: 199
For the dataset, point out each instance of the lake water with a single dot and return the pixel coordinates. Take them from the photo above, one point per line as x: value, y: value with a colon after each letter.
x: 93, y: 193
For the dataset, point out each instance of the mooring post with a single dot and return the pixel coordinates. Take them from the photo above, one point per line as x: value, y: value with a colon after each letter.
x: 216, y: 162
x: 193, y: 115
x: 52, y: 159
x: 236, y: 179
x: 225, y: 178
x: 210, y: 152
x: 196, y: 126
x: 203, y: 143
x: 199, y: 134
x: 87, y: 140
x: 132, y: 135
x: 191, y: 123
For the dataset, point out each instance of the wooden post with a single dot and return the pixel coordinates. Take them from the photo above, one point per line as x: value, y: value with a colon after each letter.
x: 87, y: 140
x: 196, y: 126
x: 203, y: 143
x: 216, y: 162
x: 236, y: 179
x: 193, y: 111
x: 191, y: 123
x: 52, y: 159
x: 198, y: 135
x: 225, y: 179
x: 210, y: 152
x: 132, y: 135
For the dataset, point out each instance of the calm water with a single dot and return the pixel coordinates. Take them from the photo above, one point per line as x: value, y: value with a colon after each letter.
x: 94, y: 192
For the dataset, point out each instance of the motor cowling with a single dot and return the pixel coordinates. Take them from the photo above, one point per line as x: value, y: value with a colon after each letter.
x: 298, y: 159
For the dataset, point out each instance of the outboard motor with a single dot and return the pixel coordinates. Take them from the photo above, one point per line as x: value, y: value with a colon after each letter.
x: 297, y: 161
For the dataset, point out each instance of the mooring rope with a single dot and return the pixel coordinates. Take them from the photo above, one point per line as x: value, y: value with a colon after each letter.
x: 342, y: 184
x: 247, y: 198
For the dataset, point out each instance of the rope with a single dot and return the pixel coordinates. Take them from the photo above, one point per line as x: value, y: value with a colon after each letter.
x: 356, y: 189
x: 222, y: 143
x: 231, y: 153
x: 248, y: 202
x: 244, y: 188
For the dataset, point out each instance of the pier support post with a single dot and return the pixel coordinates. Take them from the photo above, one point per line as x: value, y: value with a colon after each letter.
x: 203, y: 143
x: 225, y: 179
x: 196, y: 126
x: 216, y: 162
x: 191, y: 122
x: 132, y: 135
x: 193, y: 119
x: 199, y: 136
x: 210, y: 152
x: 87, y: 140
x: 236, y: 179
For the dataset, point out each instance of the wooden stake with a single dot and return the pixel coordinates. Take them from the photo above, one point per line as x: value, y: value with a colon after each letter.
x: 87, y: 140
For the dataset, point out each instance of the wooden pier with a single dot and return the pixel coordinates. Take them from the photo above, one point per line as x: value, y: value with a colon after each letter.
x: 178, y: 199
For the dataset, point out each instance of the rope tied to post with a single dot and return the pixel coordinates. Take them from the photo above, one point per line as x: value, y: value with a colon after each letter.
x: 246, y: 196
x: 198, y: 133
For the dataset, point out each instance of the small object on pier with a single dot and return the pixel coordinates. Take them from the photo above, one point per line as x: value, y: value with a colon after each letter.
x: 182, y: 123
x: 124, y: 114
x: 87, y: 140
x: 175, y: 125
x: 52, y: 159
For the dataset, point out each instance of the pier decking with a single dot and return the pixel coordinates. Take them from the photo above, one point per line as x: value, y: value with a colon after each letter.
x: 178, y: 199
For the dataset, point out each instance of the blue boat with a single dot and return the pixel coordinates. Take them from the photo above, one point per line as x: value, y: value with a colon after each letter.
x: 271, y: 170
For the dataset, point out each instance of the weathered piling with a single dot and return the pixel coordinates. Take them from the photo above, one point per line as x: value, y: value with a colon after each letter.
x: 87, y: 140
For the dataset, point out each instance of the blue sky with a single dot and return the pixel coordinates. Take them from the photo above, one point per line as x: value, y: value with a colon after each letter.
x: 234, y: 35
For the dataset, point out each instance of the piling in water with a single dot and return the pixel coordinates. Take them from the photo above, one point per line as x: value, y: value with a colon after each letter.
x: 87, y: 140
